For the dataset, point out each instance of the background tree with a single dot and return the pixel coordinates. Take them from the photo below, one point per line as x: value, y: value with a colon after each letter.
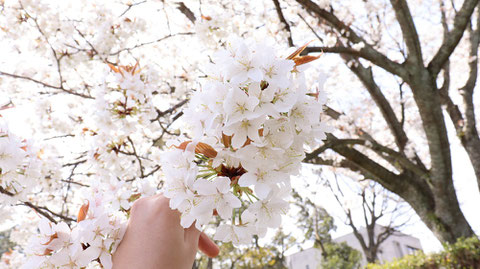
x: 318, y: 225
x: 382, y: 214
x: 423, y: 180
x: 5, y: 244
x: 270, y: 255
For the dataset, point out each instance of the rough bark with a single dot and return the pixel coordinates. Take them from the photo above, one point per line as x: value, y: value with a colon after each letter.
x: 430, y: 191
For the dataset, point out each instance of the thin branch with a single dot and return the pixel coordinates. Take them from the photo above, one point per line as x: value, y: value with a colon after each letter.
x: 57, y: 59
x: 467, y: 90
x: 149, y: 42
x: 366, y: 77
x: 310, y: 27
x: 367, y: 52
x: 409, y: 32
x: 39, y: 211
x: 160, y: 114
x: 142, y: 175
x: 462, y: 18
x: 129, y: 6
x: 74, y: 182
x: 282, y: 19
x: 186, y: 11
x: 53, y: 213
x: 46, y: 85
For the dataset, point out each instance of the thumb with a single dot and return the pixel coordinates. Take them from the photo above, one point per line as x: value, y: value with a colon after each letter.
x: 191, y: 235
x: 207, y: 246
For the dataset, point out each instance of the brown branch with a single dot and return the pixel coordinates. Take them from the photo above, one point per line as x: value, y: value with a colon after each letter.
x: 129, y: 6
x: 45, y: 84
x: 409, y: 32
x: 395, y: 157
x: 367, y: 52
x: 282, y: 19
x: 57, y: 59
x: 160, y: 114
x: 469, y: 136
x: 467, y: 90
x: 66, y: 218
x: 366, y: 77
x: 74, y: 182
x: 148, y: 43
x: 186, y: 11
x: 137, y: 157
x: 462, y: 18
x: 39, y: 211
x: 310, y: 27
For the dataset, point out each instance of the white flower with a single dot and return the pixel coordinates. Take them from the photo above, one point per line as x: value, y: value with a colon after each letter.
x: 261, y: 176
x: 239, y: 105
x: 217, y: 196
x: 234, y: 233
x: 243, y: 129
x: 245, y: 65
x: 254, y: 119
x: 11, y: 153
x: 268, y: 211
x: 99, y: 249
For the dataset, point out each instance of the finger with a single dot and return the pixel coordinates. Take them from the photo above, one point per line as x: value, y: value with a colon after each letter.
x: 207, y: 246
x: 191, y: 235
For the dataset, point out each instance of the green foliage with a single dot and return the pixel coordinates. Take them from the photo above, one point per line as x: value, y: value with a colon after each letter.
x: 317, y: 225
x: 5, y: 243
x: 269, y: 256
x: 464, y: 254
x: 341, y: 255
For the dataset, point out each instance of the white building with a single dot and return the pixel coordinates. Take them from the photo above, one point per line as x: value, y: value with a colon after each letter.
x: 396, y: 245
x: 306, y: 259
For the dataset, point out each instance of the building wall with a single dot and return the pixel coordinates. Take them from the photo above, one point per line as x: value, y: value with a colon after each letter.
x: 307, y: 259
x: 396, y: 246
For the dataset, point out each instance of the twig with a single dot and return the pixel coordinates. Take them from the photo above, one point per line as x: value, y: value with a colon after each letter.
x: 284, y: 21
x: 311, y: 28
x: 46, y: 85
x: 149, y: 42
x: 130, y: 5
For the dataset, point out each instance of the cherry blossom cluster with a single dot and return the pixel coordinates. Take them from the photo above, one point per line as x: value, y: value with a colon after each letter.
x: 124, y: 114
x: 125, y: 108
x: 19, y: 166
x: 100, y: 226
x: 250, y: 124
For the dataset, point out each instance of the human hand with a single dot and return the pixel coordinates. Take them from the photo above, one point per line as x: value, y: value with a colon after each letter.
x: 154, y: 238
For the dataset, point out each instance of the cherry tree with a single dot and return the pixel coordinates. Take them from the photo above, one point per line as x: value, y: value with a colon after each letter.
x: 383, y: 40
x: 100, y: 87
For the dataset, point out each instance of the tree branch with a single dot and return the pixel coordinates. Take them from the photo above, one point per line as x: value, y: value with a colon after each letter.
x: 366, y: 77
x: 410, y: 35
x: 367, y: 52
x: 149, y: 42
x: 449, y: 44
x: 282, y: 19
x: 186, y: 11
x: 46, y: 85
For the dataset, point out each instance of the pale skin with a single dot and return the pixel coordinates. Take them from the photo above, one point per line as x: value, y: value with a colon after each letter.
x: 154, y: 238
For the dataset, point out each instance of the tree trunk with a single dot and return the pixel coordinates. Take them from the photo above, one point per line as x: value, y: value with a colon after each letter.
x: 446, y: 222
x: 429, y: 191
x: 445, y: 218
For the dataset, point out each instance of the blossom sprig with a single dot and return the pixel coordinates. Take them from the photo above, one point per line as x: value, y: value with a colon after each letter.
x: 93, y: 238
x: 250, y: 123
x: 124, y: 115
x: 19, y: 166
